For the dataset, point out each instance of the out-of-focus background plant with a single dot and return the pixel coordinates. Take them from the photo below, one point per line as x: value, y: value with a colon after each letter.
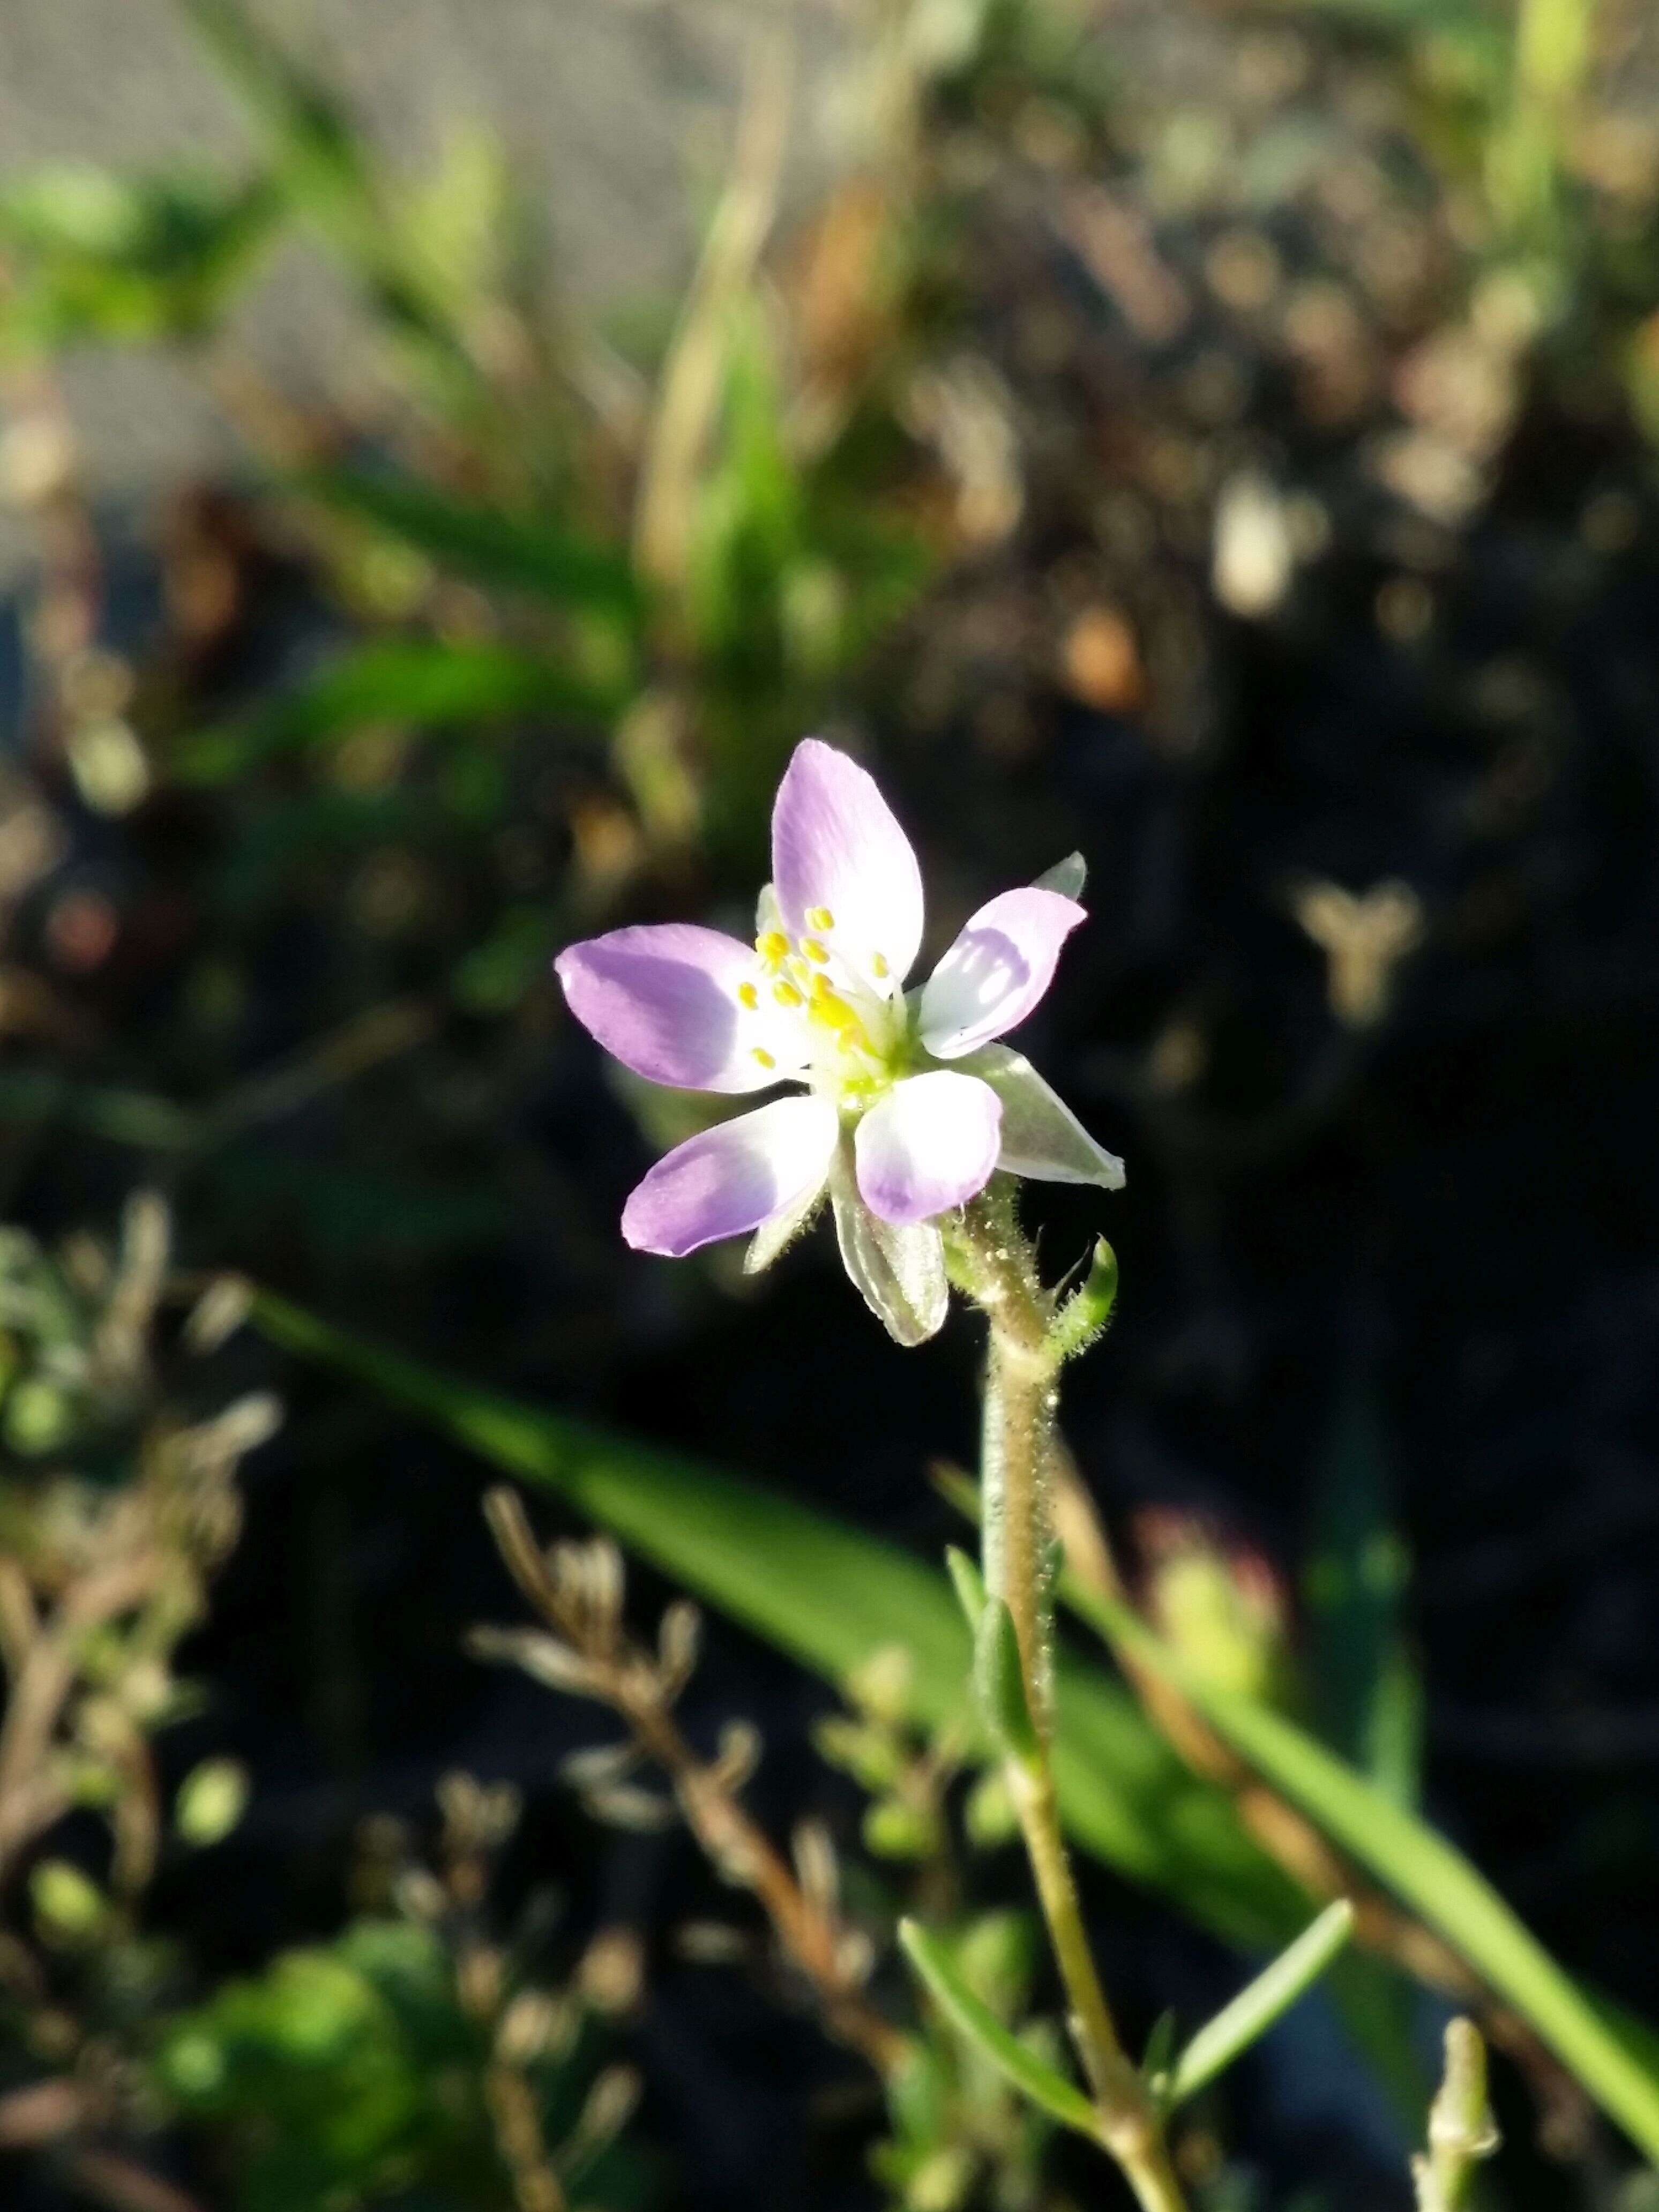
x: 1220, y: 440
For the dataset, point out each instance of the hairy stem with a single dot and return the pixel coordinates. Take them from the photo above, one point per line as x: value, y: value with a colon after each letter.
x: 994, y: 1266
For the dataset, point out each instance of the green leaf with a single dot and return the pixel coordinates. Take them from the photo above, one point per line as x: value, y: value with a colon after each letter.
x: 123, y: 1117
x: 1418, y: 1866
x: 830, y: 1596
x: 419, y: 682
x: 1360, y: 1663
x: 520, y: 553
x: 1254, y: 2010
x: 1087, y: 1311
x: 999, y: 1680
x: 318, y: 157
x: 94, y: 256
x: 1050, y: 2092
x: 968, y: 1584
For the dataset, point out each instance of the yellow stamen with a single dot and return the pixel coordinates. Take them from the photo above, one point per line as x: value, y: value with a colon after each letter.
x: 765, y: 1058
x: 772, y: 944
x: 879, y: 967
x: 748, y: 996
x: 786, y: 994
x: 833, y: 1011
x: 814, y: 950
x: 820, y: 918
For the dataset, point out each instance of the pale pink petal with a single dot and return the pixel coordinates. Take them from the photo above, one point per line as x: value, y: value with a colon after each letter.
x: 665, y: 1002
x: 838, y: 850
x: 728, y: 1180
x: 996, y: 971
x: 928, y: 1145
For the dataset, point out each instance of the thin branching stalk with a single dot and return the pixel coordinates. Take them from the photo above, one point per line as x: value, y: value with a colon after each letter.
x: 994, y: 1266
x: 602, y: 1663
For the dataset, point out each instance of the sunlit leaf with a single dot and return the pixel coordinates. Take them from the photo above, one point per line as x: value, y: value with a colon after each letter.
x: 418, y: 683
x: 521, y: 553
x: 1015, y: 2060
x: 830, y: 1596
x: 1254, y: 2010
x: 1420, y: 1867
x: 94, y: 256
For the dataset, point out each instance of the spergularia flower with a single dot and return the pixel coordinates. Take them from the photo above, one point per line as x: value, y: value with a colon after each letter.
x: 907, y: 1103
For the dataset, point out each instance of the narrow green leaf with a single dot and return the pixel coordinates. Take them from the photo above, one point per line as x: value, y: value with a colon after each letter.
x: 830, y: 1596
x: 1160, y: 2047
x: 968, y: 1584
x: 518, y: 552
x: 96, y: 256
x: 320, y: 156
x: 999, y: 1680
x: 1254, y: 2010
x: 1050, y: 2092
x: 1089, y: 1308
x: 420, y: 682
x: 1361, y: 1667
x: 1418, y: 1866
x: 33, y: 1095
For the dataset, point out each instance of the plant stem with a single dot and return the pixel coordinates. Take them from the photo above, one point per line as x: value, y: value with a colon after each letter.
x: 994, y: 1266
x: 1461, y: 2130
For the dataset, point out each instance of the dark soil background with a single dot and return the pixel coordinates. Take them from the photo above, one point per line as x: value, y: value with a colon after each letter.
x: 1446, y: 1216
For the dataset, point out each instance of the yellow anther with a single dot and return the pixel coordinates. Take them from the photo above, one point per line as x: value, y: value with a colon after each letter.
x: 814, y: 950
x: 786, y: 994
x: 820, y: 918
x: 833, y: 1011
x: 879, y: 967
x: 748, y: 996
x: 772, y: 944
x: 765, y: 1058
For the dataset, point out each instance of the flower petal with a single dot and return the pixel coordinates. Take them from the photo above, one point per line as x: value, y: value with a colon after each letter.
x: 899, y: 1271
x: 665, y: 1002
x: 996, y: 971
x: 928, y: 1145
x: 730, y: 1178
x: 838, y: 850
x: 1042, y: 1138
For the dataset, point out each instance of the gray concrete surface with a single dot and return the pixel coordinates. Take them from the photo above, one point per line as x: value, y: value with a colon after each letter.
x: 617, y: 114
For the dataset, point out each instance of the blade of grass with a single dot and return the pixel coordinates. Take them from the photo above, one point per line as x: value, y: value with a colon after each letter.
x: 325, y: 166
x: 518, y: 553
x: 418, y: 682
x: 830, y: 1596
x: 1417, y: 1865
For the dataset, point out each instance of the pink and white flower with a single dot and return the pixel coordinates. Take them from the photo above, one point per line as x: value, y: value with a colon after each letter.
x: 907, y: 1102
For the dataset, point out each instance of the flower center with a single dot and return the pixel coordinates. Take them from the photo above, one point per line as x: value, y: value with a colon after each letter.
x: 820, y: 1017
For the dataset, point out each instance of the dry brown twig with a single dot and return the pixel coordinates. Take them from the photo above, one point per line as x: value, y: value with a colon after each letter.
x: 577, y: 1590
x: 97, y: 1588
